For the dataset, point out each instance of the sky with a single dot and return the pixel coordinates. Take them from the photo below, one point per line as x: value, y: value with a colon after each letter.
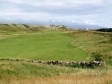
x: 91, y: 12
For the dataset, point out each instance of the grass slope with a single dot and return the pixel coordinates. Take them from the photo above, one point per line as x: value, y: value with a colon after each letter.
x: 92, y: 41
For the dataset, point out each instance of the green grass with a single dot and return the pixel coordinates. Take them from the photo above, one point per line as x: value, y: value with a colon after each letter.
x: 50, y: 45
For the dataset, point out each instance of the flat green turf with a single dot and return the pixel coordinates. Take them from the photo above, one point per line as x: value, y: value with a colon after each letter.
x: 51, y: 45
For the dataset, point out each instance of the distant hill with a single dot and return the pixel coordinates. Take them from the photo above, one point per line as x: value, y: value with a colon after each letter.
x: 20, y: 27
x: 13, y: 27
x: 43, y: 27
x: 81, y: 26
x: 70, y: 25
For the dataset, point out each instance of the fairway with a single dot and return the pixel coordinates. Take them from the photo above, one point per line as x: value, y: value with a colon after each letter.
x: 50, y: 45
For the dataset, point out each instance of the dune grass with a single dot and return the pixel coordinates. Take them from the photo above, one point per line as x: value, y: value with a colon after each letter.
x: 33, y: 73
x: 28, y: 70
x: 92, y: 41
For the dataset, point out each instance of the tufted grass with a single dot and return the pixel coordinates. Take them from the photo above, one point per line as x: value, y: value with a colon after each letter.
x: 33, y: 73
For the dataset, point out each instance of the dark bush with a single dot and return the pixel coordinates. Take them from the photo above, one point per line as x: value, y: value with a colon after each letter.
x: 105, y: 30
x: 110, y: 40
x: 97, y: 56
x: 101, y: 57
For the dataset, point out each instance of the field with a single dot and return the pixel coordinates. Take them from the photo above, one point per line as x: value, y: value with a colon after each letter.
x: 44, y: 43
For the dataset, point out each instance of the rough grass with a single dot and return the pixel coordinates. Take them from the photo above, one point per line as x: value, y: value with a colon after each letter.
x: 31, y: 73
x: 28, y: 70
x: 91, y: 41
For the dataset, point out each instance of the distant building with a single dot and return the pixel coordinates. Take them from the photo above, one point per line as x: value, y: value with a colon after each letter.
x: 87, y: 29
x: 56, y: 27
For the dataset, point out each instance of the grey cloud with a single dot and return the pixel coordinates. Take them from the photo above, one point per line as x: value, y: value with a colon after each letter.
x: 97, y: 10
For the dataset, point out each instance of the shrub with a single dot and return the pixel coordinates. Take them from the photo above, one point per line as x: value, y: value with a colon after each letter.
x: 97, y: 56
x: 108, y: 59
x: 110, y: 40
x: 102, y: 57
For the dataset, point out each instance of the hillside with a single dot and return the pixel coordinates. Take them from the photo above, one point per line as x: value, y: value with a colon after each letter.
x: 20, y: 28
